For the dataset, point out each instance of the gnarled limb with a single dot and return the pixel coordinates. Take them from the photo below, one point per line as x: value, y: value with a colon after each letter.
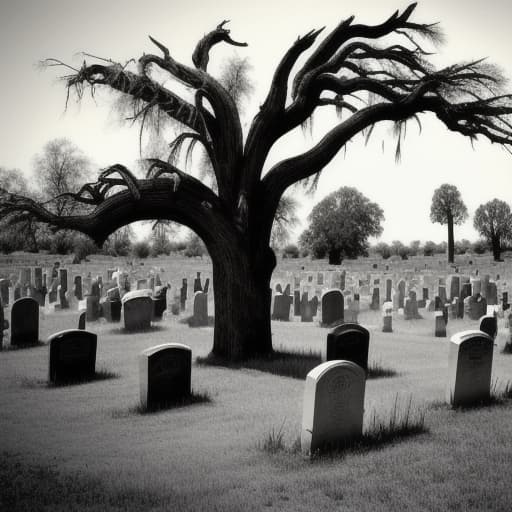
x: 200, y: 57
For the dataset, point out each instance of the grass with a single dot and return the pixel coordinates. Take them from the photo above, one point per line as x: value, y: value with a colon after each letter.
x: 400, y: 423
x: 507, y: 348
x: 99, y: 375
x: 293, y: 363
x: 25, y: 346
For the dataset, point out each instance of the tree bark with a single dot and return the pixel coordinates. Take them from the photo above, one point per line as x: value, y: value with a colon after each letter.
x: 496, y: 248
x: 450, y: 239
x: 242, y: 303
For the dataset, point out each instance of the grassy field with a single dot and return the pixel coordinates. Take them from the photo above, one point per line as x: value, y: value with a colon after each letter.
x: 88, y: 447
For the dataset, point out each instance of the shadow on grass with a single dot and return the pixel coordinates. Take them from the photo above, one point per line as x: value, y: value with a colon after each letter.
x: 41, y: 487
x: 295, y: 364
x: 190, y: 321
x: 122, y: 330
x: 25, y: 346
x: 99, y: 375
x: 400, y: 424
x: 192, y: 399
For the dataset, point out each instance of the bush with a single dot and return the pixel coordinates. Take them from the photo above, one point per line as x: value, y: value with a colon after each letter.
x: 195, y: 247
x: 160, y: 246
x: 480, y: 247
x: 291, y: 251
x: 62, y: 242
x: 383, y: 249
x: 141, y: 249
x: 83, y: 247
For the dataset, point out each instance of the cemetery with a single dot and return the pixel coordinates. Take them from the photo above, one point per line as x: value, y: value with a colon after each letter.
x: 236, y: 424
x: 164, y: 347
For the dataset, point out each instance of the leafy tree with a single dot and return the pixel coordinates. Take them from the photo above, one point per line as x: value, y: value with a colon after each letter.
x: 448, y: 208
x: 493, y: 221
x: 291, y: 251
x: 429, y: 248
x: 414, y: 248
x: 383, y: 249
x: 141, y: 249
x: 399, y: 249
x: 341, y: 224
x: 350, y: 71
x: 462, y: 246
x: 119, y: 243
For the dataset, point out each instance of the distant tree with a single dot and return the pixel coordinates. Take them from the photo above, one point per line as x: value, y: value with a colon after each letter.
x: 447, y: 208
x: 480, y: 246
x: 60, y: 169
x: 383, y: 249
x: 493, y: 221
x: 141, y: 249
x: 399, y: 249
x: 291, y: 251
x: 414, y: 247
x: 462, y: 246
x: 119, y: 243
x: 429, y: 248
x: 341, y: 224
x: 195, y: 246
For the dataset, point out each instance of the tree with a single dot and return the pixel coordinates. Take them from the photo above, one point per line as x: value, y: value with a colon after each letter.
x: 347, y: 71
x: 447, y: 208
x: 493, y: 221
x: 284, y: 220
x: 60, y: 170
x: 341, y: 224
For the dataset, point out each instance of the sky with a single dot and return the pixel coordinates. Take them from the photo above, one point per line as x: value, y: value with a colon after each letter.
x: 33, y: 100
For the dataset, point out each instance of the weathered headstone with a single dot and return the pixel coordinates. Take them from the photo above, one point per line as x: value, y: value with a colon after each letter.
x: 477, y: 307
x: 281, y: 310
x: 165, y: 374
x: 492, y: 294
x: 350, y: 342
x: 332, y: 308
x: 197, y: 283
x: 137, y: 310
x: 142, y: 284
x: 206, y: 285
x: 469, y: 368
x: 454, y: 287
x: 200, y: 317
x: 401, y: 294
x: 82, y: 320
x: 72, y: 355
x: 333, y: 406
x: 375, y: 304
x: 389, y: 285
x: 4, y: 291
x: 440, y: 325
x: 25, y: 321
x: 489, y: 325
x: 78, y: 292
x: 387, y: 317
x: 159, y: 302
x: 92, y: 307
x: 183, y: 294
x: 306, y: 314
x: 296, y: 302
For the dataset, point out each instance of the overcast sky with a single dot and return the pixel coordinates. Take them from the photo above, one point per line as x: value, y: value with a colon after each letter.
x: 33, y: 100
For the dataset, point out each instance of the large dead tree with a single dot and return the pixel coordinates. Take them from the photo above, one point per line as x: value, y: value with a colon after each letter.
x: 347, y: 71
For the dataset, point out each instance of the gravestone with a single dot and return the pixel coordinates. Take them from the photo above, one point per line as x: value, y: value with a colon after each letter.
x: 333, y: 406
x: 401, y: 294
x: 350, y: 342
x: 183, y: 294
x: 504, y: 301
x: 485, y: 286
x: 306, y: 313
x: 389, y: 284
x: 206, y: 285
x: 476, y: 286
x: 159, y: 302
x: 387, y: 317
x: 92, y: 307
x: 469, y: 368
x: 440, y: 325
x: 164, y: 374
x: 82, y: 320
x: 332, y: 308
x: 281, y: 310
x: 197, y: 283
x: 477, y: 307
x: 375, y: 304
x: 489, y: 325
x: 320, y: 279
x: 454, y: 287
x: 78, y: 292
x: 4, y: 291
x: 492, y: 294
x: 279, y: 288
x: 25, y: 321
x: 343, y: 276
x: 442, y: 294
x: 137, y: 310
x: 411, y: 307
x: 200, y: 317
x: 352, y: 311
x: 296, y: 302
x: 72, y: 355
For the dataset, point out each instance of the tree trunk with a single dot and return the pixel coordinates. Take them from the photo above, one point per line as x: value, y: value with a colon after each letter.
x: 242, y: 303
x: 334, y: 257
x: 450, y: 239
x: 496, y: 248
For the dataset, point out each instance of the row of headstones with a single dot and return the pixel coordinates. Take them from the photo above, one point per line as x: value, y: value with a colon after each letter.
x: 333, y: 406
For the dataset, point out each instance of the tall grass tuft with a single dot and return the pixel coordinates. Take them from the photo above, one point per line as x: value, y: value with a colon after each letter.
x: 273, y: 441
x: 377, y: 370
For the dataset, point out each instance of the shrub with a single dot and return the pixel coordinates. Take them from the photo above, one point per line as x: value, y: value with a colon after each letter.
x: 160, y: 246
x: 62, y: 242
x: 141, y: 249
x: 291, y: 251
x: 480, y: 247
x: 83, y: 246
x: 195, y: 247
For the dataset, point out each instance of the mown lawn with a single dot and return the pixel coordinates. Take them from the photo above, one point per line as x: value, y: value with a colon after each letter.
x: 86, y: 447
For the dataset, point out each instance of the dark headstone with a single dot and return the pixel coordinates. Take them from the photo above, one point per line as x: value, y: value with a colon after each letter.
x: 78, y: 292
x: 296, y: 303
x: 72, y: 355
x: 165, y: 375
x: 4, y: 291
x: 93, y: 307
x: 489, y: 325
x: 197, y: 283
x: 332, y: 308
x: 200, y: 318
x: 25, y: 321
x: 401, y: 293
x: 389, y: 285
x: 349, y: 342
x: 440, y: 325
x: 183, y: 294
x: 81, y: 320
x: 375, y: 304
x: 206, y: 285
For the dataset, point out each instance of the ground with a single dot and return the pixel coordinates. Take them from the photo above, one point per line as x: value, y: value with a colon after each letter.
x: 94, y: 451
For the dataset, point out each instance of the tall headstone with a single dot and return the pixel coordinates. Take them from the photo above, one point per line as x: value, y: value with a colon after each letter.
x: 197, y: 283
x: 206, y: 285
x: 387, y: 317
x: 375, y: 304
x: 164, y: 374
x: 281, y: 310
x: 333, y: 406
x: 401, y: 293
x: 4, y: 291
x: 350, y: 342
x: 440, y: 325
x: 82, y: 320
x: 492, y: 294
x: 296, y: 302
x: 332, y: 308
x: 389, y: 284
x: 25, y: 322
x: 72, y: 355
x: 183, y: 294
x: 454, y: 287
x: 469, y: 368
x: 200, y: 318
x: 489, y: 325
x: 78, y: 292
